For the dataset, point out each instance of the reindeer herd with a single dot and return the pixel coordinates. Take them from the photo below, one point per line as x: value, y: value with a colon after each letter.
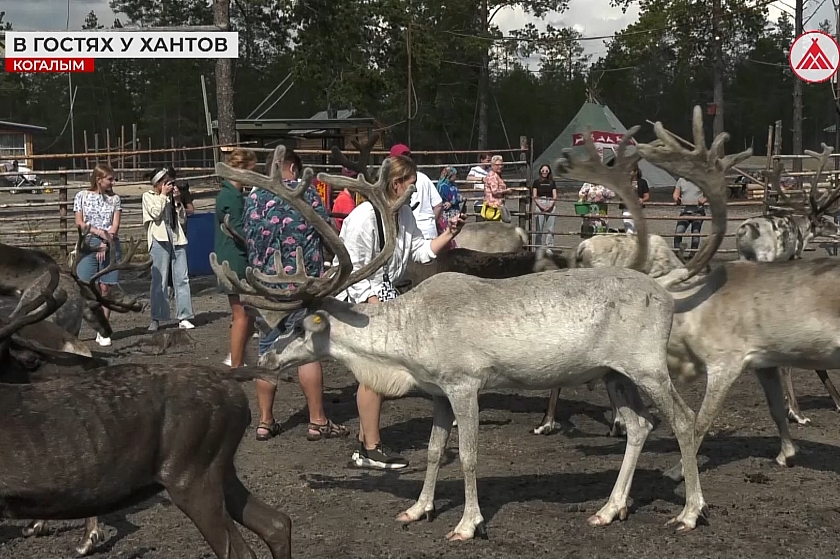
x: 65, y: 411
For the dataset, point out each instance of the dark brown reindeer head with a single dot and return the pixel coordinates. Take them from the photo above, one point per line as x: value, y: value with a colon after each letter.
x: 815, y: 209
x: 360, y: 166
x: 298, y: 290
x: 96, y: 301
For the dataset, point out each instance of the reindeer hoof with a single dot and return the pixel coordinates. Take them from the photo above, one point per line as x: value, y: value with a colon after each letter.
x: 598, y: 520
x: 35, y: 528
x: 543, y: 429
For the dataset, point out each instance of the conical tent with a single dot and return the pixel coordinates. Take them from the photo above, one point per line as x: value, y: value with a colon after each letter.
x: 606, y: 131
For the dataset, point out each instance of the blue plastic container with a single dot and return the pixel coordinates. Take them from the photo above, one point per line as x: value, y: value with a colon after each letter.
x: 201, y: 230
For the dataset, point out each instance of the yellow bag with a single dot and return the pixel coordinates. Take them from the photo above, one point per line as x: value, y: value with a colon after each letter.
x: 490, y: 213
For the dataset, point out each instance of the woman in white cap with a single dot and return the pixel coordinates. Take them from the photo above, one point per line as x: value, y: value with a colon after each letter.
x: 164, y: 217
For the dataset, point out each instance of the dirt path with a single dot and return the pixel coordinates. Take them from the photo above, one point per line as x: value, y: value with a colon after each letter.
x: 536, y: 492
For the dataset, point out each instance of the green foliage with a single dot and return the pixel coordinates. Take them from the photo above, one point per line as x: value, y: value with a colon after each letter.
x: 355, y: 54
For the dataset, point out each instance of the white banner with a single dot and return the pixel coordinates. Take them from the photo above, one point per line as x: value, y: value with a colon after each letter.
x: 122, y: 44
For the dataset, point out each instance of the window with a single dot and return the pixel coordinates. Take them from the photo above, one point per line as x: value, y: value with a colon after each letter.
x: 13, y: 144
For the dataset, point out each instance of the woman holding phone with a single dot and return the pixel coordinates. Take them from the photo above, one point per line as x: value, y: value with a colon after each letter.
x: 164, y: 217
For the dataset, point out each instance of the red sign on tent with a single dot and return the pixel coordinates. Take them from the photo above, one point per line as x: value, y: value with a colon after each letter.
x: 814, y: 56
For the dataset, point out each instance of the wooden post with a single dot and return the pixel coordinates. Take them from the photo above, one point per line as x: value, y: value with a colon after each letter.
x: 172, y: 145
x: 151, y: 161
x: 769, y: 166
x: 96, y: 146
x: 87, y: 159
x: 203, y: 152
x: 135, y: 146
x: 62, y: 213
x: 122, y: 146
x: 108, y: 145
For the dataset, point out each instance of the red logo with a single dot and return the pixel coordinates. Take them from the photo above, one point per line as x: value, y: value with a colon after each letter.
x: 814, y: 56
x: 49, y: 65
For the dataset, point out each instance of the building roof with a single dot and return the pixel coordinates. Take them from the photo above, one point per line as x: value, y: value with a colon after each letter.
x: 316, y: 125
x: 5, y: 124
x: 600, y: 119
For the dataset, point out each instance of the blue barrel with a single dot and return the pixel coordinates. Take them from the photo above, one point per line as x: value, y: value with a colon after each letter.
x: 201, y: 230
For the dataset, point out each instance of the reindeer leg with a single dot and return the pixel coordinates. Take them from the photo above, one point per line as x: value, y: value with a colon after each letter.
x: 618, y: 426
x: 627, y: 402
x: 547, y: 424
x: 93, y: 536
x: 832, y: 391
x: 465, y: 406
x: 772, y: 384
x: 792, y: 404
x: 683, y: 422
x: 272, y: 526
x: 441, y: 427
x: 203, y: 501
x: 719, y: 379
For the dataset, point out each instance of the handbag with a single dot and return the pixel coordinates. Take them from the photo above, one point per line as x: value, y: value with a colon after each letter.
x: 386, y: 291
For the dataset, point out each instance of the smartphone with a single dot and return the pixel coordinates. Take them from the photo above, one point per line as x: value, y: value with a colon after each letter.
x: 464, y: 208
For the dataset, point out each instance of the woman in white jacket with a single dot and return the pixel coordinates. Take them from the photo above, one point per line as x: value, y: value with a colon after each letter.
x: 164, y: 217
x: 363, y: 237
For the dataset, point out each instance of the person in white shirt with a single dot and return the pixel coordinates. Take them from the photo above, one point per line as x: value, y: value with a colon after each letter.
x: 426, y: 202
x: 363, y: 236
x: 477, y: 173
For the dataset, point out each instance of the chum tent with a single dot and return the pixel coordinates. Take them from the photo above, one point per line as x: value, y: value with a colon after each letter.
x: 606, y: 131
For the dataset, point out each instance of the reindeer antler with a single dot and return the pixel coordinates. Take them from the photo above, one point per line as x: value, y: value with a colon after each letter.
x: 616, y: 177
x: 263, y: 290
x: 819, y: 207
x: 231, y: 232
x: 707, y: 169
x: 30, y: 313
x: 361, y: 165
x: 90, y: 290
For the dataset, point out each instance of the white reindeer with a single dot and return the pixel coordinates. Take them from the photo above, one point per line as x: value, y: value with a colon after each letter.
x: 783, y: 235
x: 737, y: 316
x: 595, y: 314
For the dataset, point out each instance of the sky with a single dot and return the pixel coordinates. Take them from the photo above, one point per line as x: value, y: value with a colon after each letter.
x: 591, y: 17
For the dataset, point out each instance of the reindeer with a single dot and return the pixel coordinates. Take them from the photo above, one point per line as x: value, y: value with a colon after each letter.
x: 783, y: 235
x: 737, y: 316
x: 72, y: 458
x: 595, y: 313
x: 31, y: 344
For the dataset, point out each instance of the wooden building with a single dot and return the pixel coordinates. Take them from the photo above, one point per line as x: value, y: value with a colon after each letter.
x: 320, y: 132
x: 16, y: 141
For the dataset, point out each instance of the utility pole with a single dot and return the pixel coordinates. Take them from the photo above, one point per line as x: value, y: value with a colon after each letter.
x: 717, y: 67
x: 410, y: 85
x: 837, y: 96
x: 224, y: 79
x: 484, y: 81
x: 797, y: 96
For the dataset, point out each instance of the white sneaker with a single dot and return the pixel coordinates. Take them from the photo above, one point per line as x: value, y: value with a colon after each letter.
x: 186, y: 325
x: 102, y: 340
x: 153, y: 327
x: 227, y: 360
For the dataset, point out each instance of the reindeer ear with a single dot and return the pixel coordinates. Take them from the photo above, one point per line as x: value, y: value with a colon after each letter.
x: 316, y: 322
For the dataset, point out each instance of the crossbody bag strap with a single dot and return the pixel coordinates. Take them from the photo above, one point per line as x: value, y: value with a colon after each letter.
x: 379, y: 228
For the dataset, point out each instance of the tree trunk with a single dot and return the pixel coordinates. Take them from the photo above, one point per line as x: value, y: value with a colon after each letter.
x: 484, y: 82
x: 797, y: 97
x: 717, y: 68
x: 224, y: 79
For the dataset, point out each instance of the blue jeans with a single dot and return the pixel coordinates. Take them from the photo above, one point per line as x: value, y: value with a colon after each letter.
x: 287, y: 330
x: 685, y: 222
x: 88, y: 265
x: 162, y: 254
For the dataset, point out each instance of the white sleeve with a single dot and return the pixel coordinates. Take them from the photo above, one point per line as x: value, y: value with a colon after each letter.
x: 359, y: 237
x: 421, y: 248
x: 434, y: 197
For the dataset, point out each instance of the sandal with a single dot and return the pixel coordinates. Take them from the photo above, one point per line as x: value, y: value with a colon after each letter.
x: 271, y: 430
x: 329, y: 430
